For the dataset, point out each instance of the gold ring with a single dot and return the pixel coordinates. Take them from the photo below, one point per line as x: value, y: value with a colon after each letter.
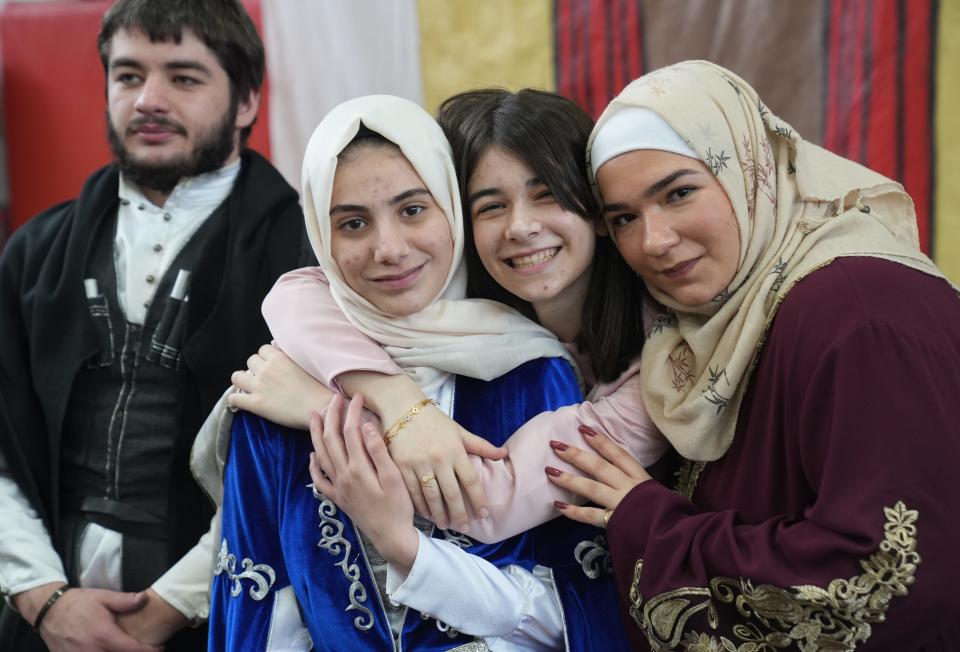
x: 427, y: 480
x: 606, y: 516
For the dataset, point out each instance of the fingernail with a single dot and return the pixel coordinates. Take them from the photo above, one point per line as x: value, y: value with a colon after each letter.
x: 484, y: 512
x: 552, y: 471
x: 587, y: 431
x: 464, y: 528
x: 559, y: 504
x: 558, y: 445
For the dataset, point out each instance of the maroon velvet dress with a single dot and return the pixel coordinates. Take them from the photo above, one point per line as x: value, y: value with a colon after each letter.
x: 833, y: 521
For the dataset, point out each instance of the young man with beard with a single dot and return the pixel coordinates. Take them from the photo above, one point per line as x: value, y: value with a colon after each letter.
x: 122, y: 314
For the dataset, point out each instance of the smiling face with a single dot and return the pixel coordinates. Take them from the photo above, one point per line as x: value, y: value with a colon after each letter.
x: 530, y: 244
x: 390, y: 239
x: 170, y: 108
x: 672, y: 222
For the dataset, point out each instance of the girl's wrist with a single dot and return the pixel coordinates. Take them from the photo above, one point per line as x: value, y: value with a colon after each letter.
x: 400, y: 551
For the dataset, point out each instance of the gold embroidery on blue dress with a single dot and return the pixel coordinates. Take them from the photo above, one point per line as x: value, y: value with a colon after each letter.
x: 805, y: 617
x: 262, y: 575
x: 593, y: 557
x: 332, y: 540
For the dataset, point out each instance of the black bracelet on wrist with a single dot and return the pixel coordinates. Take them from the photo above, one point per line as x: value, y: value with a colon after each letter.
x: 46, y: 606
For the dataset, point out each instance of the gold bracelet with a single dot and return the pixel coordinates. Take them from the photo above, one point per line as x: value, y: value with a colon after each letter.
x: 402, y: 422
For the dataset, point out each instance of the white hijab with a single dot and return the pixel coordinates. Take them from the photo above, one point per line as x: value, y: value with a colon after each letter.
x: 452, y: 335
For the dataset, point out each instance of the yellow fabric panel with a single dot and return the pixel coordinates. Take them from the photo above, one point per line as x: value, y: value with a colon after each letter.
x: 947, y: 133
x: 468, y: 44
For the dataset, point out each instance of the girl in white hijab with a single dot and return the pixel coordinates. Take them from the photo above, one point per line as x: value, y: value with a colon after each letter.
x: 382, y: 211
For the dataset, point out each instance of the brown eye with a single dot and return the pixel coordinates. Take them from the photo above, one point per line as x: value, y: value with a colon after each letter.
x: 680, y: 193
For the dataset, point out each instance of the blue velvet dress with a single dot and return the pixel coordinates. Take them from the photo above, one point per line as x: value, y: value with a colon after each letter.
x: 276, y: 534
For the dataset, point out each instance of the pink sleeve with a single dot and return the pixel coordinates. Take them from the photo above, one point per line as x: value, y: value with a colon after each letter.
x: 308, y: 326
x: 520, y: 496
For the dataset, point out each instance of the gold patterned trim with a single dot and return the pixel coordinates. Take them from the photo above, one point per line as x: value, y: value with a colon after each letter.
x: 805, y: 617
x: 687, y: 477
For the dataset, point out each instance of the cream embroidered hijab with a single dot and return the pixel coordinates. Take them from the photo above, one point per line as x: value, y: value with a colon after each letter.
x: 798, y: 207
x: 473, y: 337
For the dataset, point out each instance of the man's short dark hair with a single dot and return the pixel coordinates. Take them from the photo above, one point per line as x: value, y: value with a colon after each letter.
x: 223, y: 25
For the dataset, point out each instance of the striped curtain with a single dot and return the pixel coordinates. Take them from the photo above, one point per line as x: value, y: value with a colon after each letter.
x: 872, y: 80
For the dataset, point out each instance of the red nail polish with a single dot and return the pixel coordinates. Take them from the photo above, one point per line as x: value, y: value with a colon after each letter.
x: 587, y: 431
x: 558, y: 445
x: 552, y: 471
x: 559, y: 504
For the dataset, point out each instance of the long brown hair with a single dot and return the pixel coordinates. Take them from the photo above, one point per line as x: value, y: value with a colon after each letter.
x: 549, y: 134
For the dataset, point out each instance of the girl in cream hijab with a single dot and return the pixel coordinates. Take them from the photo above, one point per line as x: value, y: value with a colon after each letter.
x: 382, y: 211
x: 806, y: 363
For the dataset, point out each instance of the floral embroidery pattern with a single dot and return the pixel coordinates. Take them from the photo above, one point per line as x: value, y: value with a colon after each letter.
x: 593, y: 556
x: 687, y: 477
x: 711, y: 393
x: 333, y: 541
x: 262, y: 575
x: 761, y: 172
x: 716, y: 161
x: 778, y: 272
x: 783, y: 132
x: 662, y: 321
x: 680, y: 362
x: 656, y: 84
x: 804, y: 617
x: 723, y: 297
x: 762, y: 110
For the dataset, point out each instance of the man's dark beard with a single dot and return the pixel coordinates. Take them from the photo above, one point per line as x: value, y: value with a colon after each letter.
x: 207, y: 156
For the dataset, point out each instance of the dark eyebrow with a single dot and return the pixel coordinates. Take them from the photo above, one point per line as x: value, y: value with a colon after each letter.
x: 413, y: 192
x: 187, y: 64
x: 184, y: 64
x: 532, y: 182
x: 480, y: 194
x: 348, y: 208
x: 666, y: 181
x: 653, y: 189
x: 125, y: 62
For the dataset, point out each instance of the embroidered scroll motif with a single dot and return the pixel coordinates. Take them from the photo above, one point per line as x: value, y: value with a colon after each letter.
x: 808, y: 617
x: 441, y: 626
x: 687, y: 476
x: 262, y: 575
x: 593, y: 556
x: 457, y: 539
x: 332, y: 540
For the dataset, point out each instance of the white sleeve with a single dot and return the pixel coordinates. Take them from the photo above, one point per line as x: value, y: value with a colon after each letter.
x: 511, y: 608
x: 28, y: 556
x: 186, y: 585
